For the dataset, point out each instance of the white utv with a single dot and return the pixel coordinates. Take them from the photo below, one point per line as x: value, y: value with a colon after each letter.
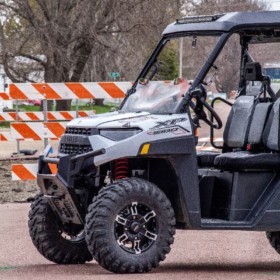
x: 127, y: 179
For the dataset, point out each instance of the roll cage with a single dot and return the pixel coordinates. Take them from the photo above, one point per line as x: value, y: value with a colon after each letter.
x: 253, y: 28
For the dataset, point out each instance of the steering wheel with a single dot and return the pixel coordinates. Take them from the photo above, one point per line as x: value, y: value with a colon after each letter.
x: 200, y: 95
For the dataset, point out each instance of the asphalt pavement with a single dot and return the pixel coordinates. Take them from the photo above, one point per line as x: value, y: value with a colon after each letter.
x: 194, y: 255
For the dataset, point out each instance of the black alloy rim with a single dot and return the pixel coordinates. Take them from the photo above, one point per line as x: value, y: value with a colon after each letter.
x: 136, y: 228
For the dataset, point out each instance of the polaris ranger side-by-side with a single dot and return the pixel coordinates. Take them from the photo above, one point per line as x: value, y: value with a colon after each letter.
x: 127, y: 179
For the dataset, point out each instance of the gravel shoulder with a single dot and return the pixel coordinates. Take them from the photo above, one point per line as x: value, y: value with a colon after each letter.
x: 15, y: 191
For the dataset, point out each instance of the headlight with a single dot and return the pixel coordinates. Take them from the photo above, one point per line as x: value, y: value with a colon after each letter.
x: 119, y: 134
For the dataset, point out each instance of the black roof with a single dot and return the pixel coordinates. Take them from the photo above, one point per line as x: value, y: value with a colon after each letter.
x: 226, y: 23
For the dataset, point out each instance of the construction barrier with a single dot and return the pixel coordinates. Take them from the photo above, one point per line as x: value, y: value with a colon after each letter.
x: 28, y: 127
x: 54, y: 91
x: 39, y: 116
x: 24, y: 172
x: 41, y: 125
x: 37, y: 130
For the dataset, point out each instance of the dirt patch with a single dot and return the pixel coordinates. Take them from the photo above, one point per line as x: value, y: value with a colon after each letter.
x: 15, y: 191
x: 18, y: 191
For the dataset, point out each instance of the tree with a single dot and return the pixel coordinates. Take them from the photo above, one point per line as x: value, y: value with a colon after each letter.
x: 222, y: 6
x: 229, y: 59
x: 168, y: 62
x: 57, y: 38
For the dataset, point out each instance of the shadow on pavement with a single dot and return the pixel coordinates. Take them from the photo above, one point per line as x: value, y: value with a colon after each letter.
x: 227, y: 267
x: 94, y: 269
x: 54, y: 269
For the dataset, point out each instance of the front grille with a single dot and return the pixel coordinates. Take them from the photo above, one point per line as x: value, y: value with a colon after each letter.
x: 78, y: 130
x: 74, y: 149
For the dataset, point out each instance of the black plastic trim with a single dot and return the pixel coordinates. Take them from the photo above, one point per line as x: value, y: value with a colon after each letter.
x: 171, y: 146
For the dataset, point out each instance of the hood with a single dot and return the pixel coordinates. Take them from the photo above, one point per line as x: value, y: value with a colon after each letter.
x: 96, y: 120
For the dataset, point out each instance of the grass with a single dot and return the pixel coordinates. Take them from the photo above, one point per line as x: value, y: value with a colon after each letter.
x: 5, y: 124
x: 97, y: 108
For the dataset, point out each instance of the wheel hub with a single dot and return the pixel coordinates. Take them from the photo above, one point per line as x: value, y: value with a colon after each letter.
x: 136, y: 227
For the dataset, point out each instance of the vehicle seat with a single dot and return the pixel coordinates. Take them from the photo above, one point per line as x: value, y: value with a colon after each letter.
x: 236, y: 129
x: 269, y: 138
x: 236, y: 133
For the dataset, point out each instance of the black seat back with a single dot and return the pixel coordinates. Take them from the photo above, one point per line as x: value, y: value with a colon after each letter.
x: 271, y: 133
x: 238, y: 122
x: 257, y: 126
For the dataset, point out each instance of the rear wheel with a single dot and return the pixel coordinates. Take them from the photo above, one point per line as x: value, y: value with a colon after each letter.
x: 62, y: 244
x: 274, y: 239
x: 130, y: 226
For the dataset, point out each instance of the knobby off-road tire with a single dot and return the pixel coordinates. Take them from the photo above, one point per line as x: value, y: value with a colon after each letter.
x: 274, y: 239
x: 47, y: 236
x: 130, y: 226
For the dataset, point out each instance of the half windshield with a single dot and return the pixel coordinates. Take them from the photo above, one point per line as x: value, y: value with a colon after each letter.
x: 170, y: 74
x: 157, y: 96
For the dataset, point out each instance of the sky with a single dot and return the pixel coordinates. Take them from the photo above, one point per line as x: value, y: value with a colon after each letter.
x: 275, y: 4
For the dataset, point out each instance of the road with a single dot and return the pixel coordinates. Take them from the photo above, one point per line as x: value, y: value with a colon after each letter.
x: 194, y: 255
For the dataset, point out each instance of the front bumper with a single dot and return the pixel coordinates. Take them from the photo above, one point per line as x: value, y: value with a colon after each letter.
x: 58, y: 188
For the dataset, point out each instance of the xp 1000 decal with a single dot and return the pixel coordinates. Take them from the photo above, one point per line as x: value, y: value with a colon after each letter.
x: 169, y: 126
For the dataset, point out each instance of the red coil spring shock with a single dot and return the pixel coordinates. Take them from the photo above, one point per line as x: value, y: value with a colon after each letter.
x: 121, y: 168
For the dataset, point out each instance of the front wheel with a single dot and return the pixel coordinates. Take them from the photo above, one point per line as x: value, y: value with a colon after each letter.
x: 130, y: 226
x: 274, y: 239
x: 62, y: 244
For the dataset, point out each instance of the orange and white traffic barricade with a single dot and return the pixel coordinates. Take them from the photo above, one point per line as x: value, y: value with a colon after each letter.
x: 24, y: 172
x: 39, y: 116
x: 56, y: 91
x: 37, y: 130
x: 48, y: 125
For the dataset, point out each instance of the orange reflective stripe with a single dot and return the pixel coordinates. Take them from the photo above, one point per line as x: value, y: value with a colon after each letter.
x: 56, y: 128
x: 66, y: 115
x: 112, y: 90
x: 82, y: 114
x: 32, y: 116
x: 16, y: 93
x: 22, y: 172
x: 53, y: 168
x: 25, y: 131
x: 51, y: 117
x: 14, y: 116
x: 2, y: 137
x: 79, y: 90
x: 4, y: 96
x: 46, y: 91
